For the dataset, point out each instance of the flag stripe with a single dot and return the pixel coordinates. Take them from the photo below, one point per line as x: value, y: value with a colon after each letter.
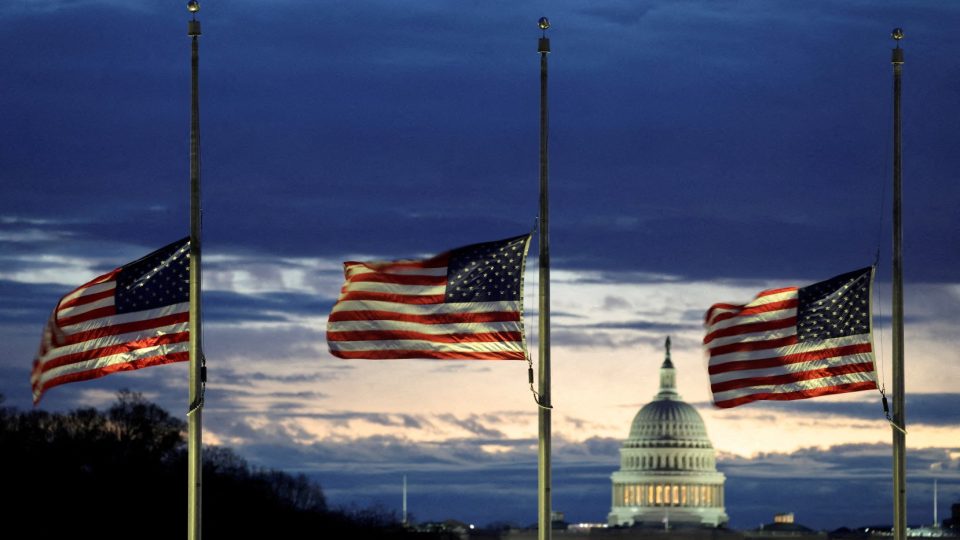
x: 117, y: 349
x: 439, y: 317
x: 830, y: 388
x: 397, y: 354
x: 797, y: 373
x: 426, y: 344
x: 87, y: 374
x: 156, y: 324
x: 400, y: 279
x: 435, y: 337
x: 395, y: 298
x: 395, y: 289
x: 465, y: 327
x: 741, y: 330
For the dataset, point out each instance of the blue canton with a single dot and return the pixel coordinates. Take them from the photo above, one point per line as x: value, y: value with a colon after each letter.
x: 835, y: 308
x: 487, y: 272
x: 159, y: 279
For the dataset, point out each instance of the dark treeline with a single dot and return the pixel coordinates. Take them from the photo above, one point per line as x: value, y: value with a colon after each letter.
x: 121, y: 473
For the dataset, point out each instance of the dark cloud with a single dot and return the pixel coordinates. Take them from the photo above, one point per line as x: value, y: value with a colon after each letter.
x: 223, y: 306
x: 233, y: 377
x: 28, y: 303
x: 320, y: 132
x: 621, y: 13
x: 473, y: 424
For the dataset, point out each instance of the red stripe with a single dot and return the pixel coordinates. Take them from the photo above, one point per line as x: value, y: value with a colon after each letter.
x: 788, y: 378
x: 765, y: 308
x: 800, y: 394
x: 399, y: 279
x: 106, y: 370
x: 437, y: 318
x: 762, y: 363
x: 418, y: 299
x: 440, y: 355
x: 90, y: 354
x: 86, y: 299
x: 750, y: 328
x: 459, y: 337
x: 746, y: 346
x: 88, y: 316
x: 126, y: 328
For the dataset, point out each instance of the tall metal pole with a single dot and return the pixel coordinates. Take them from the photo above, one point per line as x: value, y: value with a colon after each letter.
x: 899, y: 421
x: 194, y: 423
x: 543, y: 475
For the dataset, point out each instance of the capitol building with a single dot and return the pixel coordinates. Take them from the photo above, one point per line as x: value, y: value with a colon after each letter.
x: 668, y: 474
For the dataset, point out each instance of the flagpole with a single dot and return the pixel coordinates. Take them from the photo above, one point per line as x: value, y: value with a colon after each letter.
x: 194, y: 423
x: 899, y: 421
x: 543, y: 474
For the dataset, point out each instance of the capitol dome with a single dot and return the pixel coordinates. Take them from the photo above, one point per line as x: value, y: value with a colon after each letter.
x: 668, y: 470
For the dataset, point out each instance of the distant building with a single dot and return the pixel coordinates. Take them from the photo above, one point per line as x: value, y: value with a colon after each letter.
x: 668, y: 474
x: 784, y: 526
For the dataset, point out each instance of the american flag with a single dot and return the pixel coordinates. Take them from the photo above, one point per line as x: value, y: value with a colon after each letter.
x: 462, y: 304
x: 793, y: 343
x: 130, y: 318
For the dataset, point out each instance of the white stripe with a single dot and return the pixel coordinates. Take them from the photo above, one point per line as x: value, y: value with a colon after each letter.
x: 119, y: 339
x: 394, y: 288
x: 796, y: 387
x: 73, y: 311
x: 454, y: 328
x: 122, y: 318
x: 92, y: 289
x: 122, y: 358
x: 797, y: 367
x: 806, y: 346
x: 422, y: 345
x: 754, y: 337
x: 427, y: 309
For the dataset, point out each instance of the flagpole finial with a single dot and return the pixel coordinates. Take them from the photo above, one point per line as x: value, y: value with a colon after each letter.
x: 193, y: 26
x: 544, y: 44
x: 897, y: 34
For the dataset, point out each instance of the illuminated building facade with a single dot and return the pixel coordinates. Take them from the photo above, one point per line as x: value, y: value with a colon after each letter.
x: 668, y: 472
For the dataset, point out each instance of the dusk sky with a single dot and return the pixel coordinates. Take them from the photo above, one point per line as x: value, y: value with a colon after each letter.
x: 700, y: 151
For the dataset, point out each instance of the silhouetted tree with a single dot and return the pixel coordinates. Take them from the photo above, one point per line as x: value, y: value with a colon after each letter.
x: 121, y: 474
